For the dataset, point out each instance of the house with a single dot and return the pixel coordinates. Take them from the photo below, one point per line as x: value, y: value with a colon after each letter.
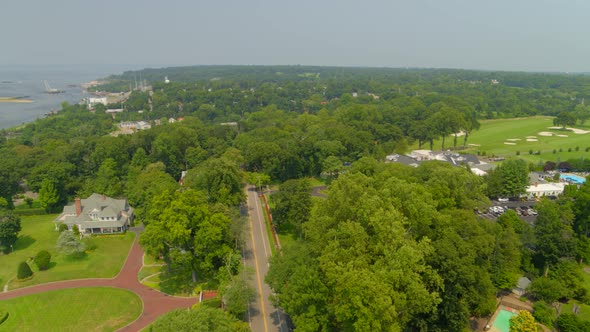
x: 521, y: 286
x: 97, y: 214
x: 459, y: 160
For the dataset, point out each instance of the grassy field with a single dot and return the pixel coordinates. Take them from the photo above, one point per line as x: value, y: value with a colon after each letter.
x: 80, y: 309
x: 493, y: 135
x: 38, y: 234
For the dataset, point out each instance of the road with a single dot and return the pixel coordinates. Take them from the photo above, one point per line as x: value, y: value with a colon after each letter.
x: 263, y: 316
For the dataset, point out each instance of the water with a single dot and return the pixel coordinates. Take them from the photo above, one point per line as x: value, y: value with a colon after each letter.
x: 502, y: 321
x: 19, y: 81
x: 573, y: 178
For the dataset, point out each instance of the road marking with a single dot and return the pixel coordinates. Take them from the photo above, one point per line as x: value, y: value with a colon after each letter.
x: 262, y: 230
x: 258, y: 276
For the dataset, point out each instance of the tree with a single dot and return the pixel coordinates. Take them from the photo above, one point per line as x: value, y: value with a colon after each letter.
x: 49, y: 195
x: 554, y: 234
x: 582, y: 113
x: 564, y: 119
x: 42, y: 260
x: 510, y: 179
x: 332, y: 166
x: 187, y: 233
x: 24, y: 271
x: 9, y: 228
x: 523, y: 322
x: 68, y: 244
x: 220, y: 179
x: 238, y: 294
x: 293, y: 204
x: 547, y: 290
x: 199, y: 319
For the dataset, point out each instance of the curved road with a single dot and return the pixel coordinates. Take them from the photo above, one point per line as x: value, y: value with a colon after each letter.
x: 155, y: 303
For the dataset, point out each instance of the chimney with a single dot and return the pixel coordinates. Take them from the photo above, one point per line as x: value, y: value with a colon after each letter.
x: 78, y: 205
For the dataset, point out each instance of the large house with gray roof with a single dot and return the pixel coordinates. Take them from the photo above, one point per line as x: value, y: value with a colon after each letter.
x: 97, y: 214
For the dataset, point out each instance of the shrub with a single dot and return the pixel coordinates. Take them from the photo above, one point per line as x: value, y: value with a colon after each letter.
x: 42, y: 260
x: 531, y: 151
x: 577, y: 148
x: 62, y: 227
x: 90, y: 243
x: 75, y: 230
x: 69, y: 244
x: 544, y: 313
x: 587, y: 149
x: 518, y: 153
x: 24, y: 271
x: 569, y: 149
x: 560, y: 150
x: 554, y: 151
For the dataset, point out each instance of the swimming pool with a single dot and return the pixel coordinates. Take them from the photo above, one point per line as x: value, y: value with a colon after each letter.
x: 502, y: 321
x: 573, y: 178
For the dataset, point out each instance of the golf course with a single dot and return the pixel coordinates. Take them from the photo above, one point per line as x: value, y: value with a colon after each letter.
x: 519, y: 136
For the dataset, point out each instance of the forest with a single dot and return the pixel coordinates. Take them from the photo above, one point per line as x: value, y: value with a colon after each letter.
x: 391, y: 248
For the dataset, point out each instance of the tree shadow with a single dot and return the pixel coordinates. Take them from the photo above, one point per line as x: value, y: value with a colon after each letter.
x: 24, y: 242
x: 51, y: 265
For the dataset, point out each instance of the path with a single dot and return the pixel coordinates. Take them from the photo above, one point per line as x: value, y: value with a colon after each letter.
x: 155, y: 303
x: 263, y: 316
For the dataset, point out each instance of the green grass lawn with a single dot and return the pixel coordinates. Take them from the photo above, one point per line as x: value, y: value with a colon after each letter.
x: 494, y: 133
x: 79, y: 309
x: 584, y: 309
x: 38, y: 234
x: 174, y: 283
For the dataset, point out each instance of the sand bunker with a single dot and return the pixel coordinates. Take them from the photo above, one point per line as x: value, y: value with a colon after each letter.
x: 531, y: 137
x: 474, y: 144
x: 545, y: 133
x: 509, y: 143
x: 461, y: 133
x: 532, y: 140
x: 561, y: 135
x: 513, y: 139
x: 575, y: 130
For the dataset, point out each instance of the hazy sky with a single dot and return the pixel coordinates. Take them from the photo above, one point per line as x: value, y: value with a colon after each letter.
x: 529, y: 35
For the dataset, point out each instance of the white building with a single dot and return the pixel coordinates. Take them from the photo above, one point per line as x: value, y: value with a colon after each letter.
x: 93, y: 101
x: 545, y: 189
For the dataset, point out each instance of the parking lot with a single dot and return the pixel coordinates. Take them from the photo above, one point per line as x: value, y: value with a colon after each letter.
x: 525, y: 210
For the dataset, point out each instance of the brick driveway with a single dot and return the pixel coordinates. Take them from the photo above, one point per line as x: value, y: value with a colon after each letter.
x: 155, y: 303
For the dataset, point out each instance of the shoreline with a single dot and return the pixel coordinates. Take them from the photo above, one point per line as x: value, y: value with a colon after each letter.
x: 14, y: 100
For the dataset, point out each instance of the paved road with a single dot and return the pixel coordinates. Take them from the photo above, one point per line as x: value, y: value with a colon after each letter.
x: 154, y: 302
x: 263, y: 316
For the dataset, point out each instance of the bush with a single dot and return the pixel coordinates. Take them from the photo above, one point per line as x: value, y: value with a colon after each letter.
x: 518, y: 153
x: 577, y: 148
x: 75, y: 230
x: 42, y: 260
x: 90, y: 243
x: 560, y: 150
x: 29, y: 212
x: 554, y: 151
x: 531, y: 151
x: 24, y: 271
x: 544, y: 313
x: 62, y: 227
x: 587, y: 149
x: 569, y: 149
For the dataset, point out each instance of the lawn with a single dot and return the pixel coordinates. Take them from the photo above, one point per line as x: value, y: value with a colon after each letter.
x: 584, y: 309
x: 493, y: 135
x: 38, y: 233
x: 79, y: 309
x: 175, y: 283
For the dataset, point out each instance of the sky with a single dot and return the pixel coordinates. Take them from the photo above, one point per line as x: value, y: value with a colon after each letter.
x: 516, y: 35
